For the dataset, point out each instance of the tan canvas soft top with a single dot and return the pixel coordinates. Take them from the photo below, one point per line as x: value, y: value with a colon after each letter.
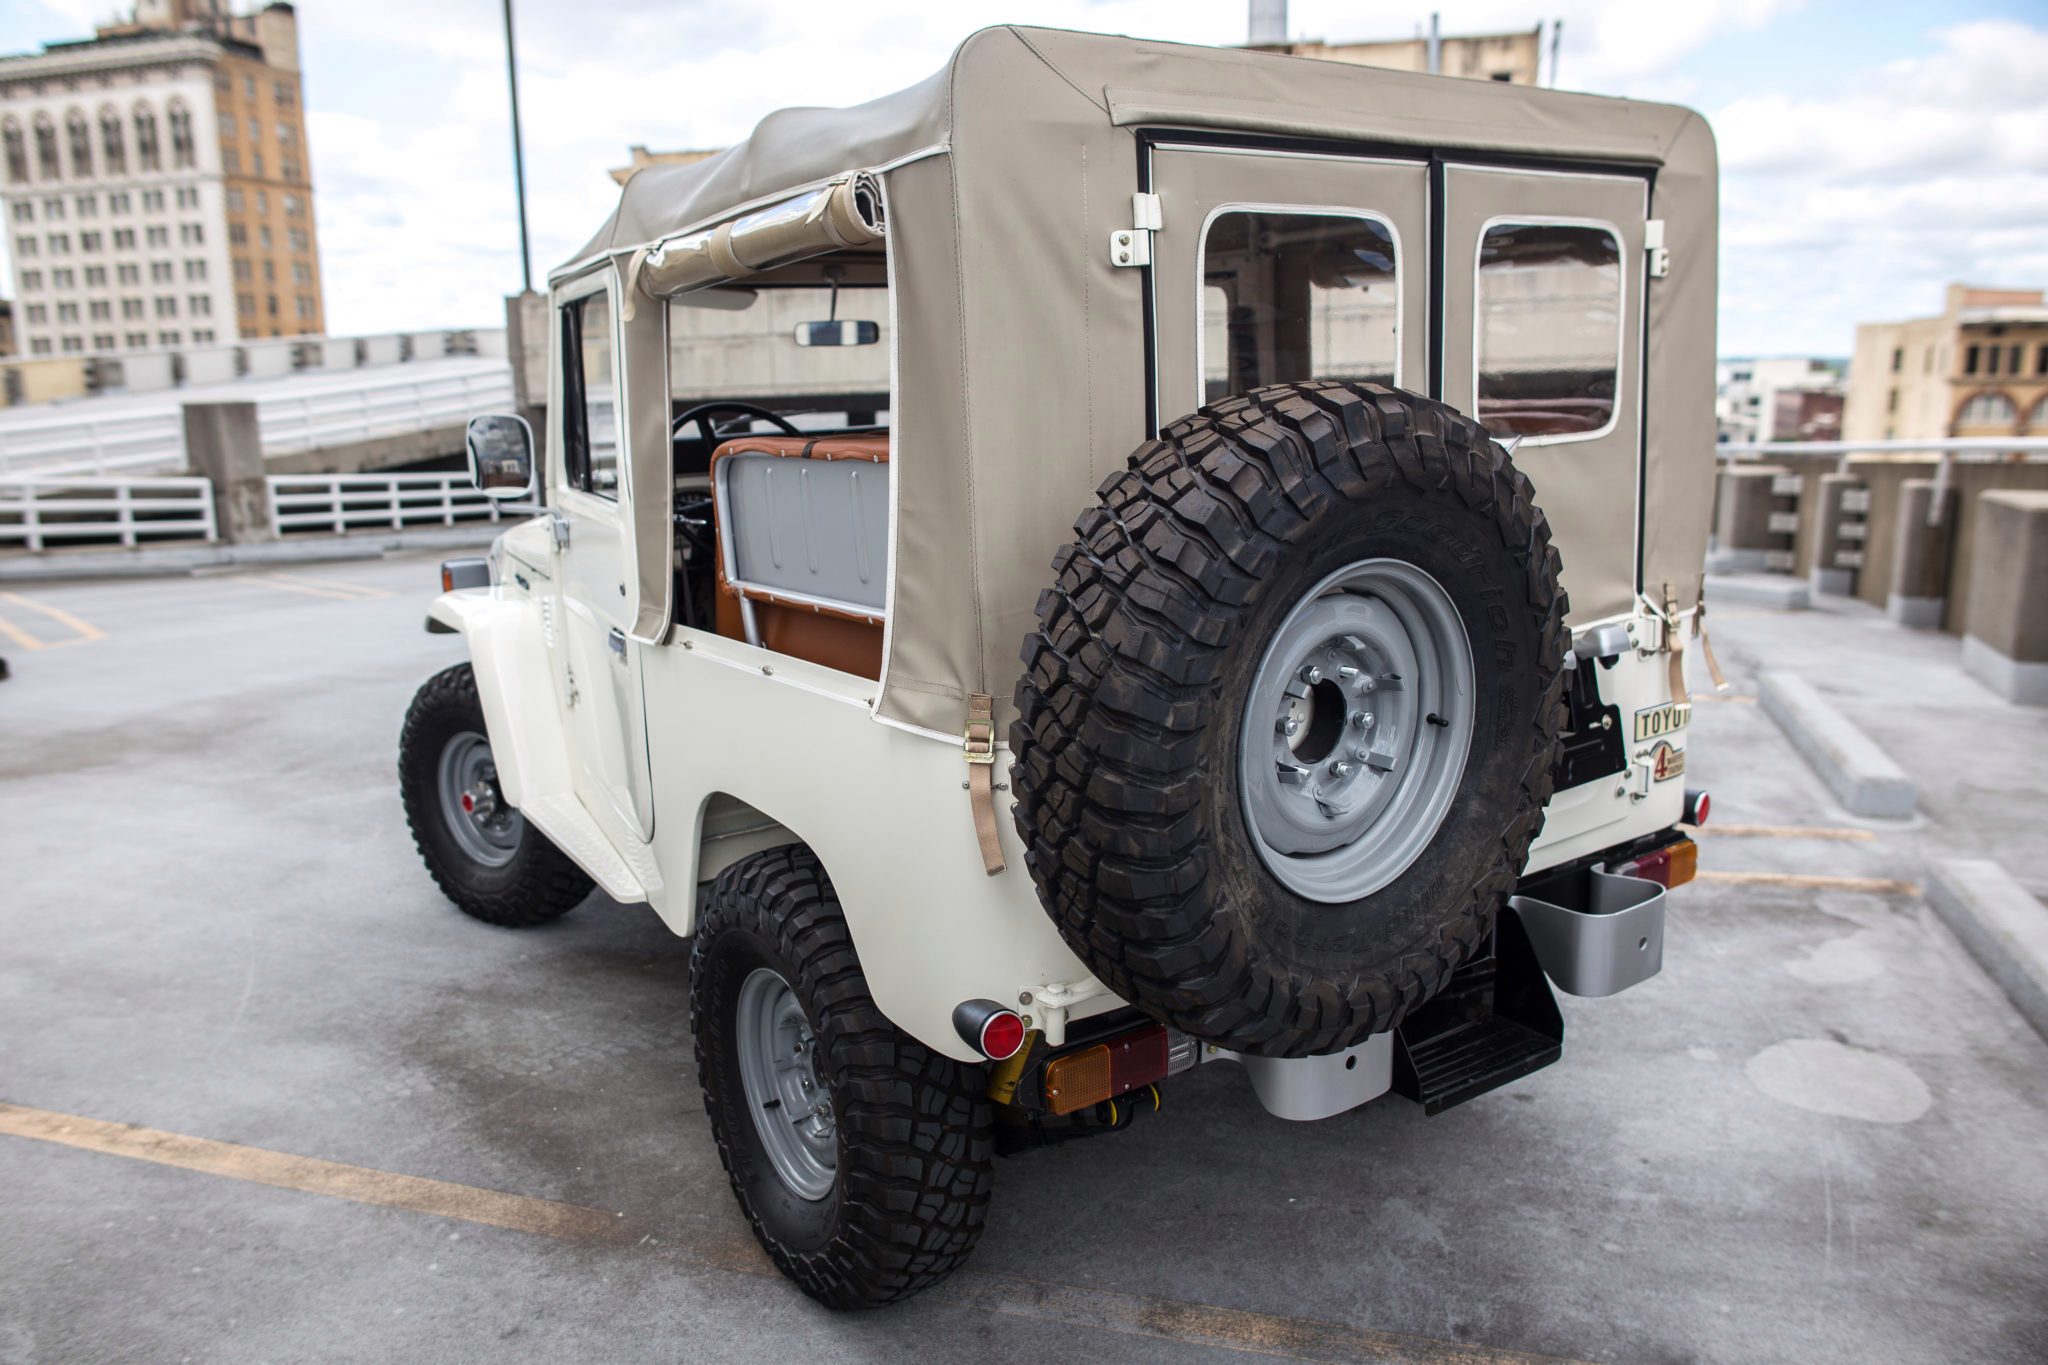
x: 1021, y: 355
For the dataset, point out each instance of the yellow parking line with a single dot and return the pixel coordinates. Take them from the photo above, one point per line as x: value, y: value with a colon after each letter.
x: 314, y: 1176
x: 1854, y: 836
x: 354, y: 591
x: 1194, y: 1324
x: 82, y: 631
x: 1739, y: 698
x: 1883, y: 886
x: 279, y: 583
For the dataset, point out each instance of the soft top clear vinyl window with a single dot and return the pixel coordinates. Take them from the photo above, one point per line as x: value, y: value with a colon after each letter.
x: 1547, y: 334
x: 1297, y: 294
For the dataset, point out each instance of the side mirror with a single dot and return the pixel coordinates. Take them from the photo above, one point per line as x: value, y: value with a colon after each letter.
x: 500, y: 455
x: 838, y: 333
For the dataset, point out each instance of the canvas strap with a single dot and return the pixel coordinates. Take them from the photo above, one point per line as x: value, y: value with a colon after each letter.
x: 979, y: 744
x: 1699, y: 628
x: 1674, y: 641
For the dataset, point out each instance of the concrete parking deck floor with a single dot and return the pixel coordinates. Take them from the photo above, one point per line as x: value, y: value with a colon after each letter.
x: 1817, y: 1136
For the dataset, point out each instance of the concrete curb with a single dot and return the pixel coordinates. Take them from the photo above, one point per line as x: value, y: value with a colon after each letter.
x: 1862, y: 776
x: 167, y: 562
x: 2004, y: 927
x: 1779, y: 591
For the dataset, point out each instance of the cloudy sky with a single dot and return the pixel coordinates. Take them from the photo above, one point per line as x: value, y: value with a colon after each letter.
x: 1870, y: 151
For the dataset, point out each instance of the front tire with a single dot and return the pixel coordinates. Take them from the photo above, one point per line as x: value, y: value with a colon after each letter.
x: 861, y: 1158
x: 483, y: 855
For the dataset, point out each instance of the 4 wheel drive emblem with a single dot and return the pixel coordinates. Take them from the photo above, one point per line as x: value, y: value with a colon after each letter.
x: 1666, y: 762
x: 1654, y: 722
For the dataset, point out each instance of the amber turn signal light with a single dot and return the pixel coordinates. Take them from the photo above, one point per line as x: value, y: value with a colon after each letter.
x: 1675, y: 864
x: 1106, y: 1070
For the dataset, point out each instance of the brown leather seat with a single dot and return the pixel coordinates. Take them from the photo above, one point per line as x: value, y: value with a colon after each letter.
x: 848, y: 641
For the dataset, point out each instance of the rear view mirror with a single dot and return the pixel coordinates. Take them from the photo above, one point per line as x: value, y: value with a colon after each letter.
x: 838, y: 333
x: 500, y: 455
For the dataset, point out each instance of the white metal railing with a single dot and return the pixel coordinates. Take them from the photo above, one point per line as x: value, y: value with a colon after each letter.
x: 35, y: 512
x: 312, y: 410
x: 338, y: 503
x: 1983, y: 447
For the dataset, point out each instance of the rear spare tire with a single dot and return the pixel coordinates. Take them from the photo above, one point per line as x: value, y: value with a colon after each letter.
x: 1288, y: 722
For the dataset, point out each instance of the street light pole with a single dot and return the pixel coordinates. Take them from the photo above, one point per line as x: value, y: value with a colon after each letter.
x: 518, y: 154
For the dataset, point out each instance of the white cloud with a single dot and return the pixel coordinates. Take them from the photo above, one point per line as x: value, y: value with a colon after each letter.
x: 1860, y: 205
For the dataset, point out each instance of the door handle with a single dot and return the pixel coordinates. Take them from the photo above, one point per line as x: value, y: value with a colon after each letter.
x: 617, y: 640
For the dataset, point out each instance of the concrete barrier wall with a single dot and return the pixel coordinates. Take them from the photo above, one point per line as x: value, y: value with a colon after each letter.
x: 1886, y: 481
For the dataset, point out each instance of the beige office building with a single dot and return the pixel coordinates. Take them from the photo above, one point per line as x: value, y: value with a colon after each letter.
x: 1980, y: 368
x: 155, y: 186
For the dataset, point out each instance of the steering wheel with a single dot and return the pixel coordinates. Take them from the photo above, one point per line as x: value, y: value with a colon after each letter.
x: 701, y: 414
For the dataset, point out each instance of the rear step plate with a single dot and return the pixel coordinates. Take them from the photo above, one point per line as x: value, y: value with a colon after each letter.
x: 1468, y: 1060
x: 1495, y: 1022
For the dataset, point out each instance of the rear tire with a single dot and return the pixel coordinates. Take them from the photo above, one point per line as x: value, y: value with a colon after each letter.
x: 879, y: 1186
x: 496, y: 866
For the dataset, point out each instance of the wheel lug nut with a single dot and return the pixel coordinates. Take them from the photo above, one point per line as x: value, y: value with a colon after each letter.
x: 1341, y: 769
x: 1311, y: 674
x: 1361, y: 720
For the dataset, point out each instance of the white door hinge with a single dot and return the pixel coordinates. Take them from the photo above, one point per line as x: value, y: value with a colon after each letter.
x: 1132, y: 246
x: 1654, y: 248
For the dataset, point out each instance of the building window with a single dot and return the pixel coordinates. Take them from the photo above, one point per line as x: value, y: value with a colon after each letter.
x: 269, y: 271
x: 160, y: 272
x: 195, y: 270
x: 1898, y: 358
x: 53, y: 208
x: 248, y: 87
x: 242, y: 270
x: 113, y: 144
x: 271, y: 301
x: 301, y: 273
x: 17, y: 153
x: 129, y: 273
x: 305, y: 308
x: 166, y: 307
x: 88, y: 206
x: 2012, y: 360
x: 24, y: 212
x: 78, y: 133
x: 62, y: 278
x: 60, y: 244
x: 73, y: 345
x: 245, y: 303
x: 138, y: 339
x: 294, y: 206
x: 188, y: 198
x: 88, y: 241
x: 119, y: 202
x: 1970, y: 360
x: 192, y: 234
x: 1988, y: 409
x: 290, y: 169
x: 31, y: 279
x: 235, y: 201
x: 102, y: 311
x: 39, y: 313
x: 1991, y: 356
x: 103, y: 341
x: 124, y: 239
x: 132, y: 308
x: 256, y: 164
x: 152, y: 201
x: 297, y: 238
x: 95, y: 277
x: 230, y: 161
x: 238, y: 235
x: 181, y: 136
x: 1548, y: 329
x: 148, y: 155
x: 1891, y: 401
x: 46, y: 150
x: 263, y: 203
x: 25, y: 246
x: 67, y: 312
x: 2041, y: 361
x: 39, y: 346
x: 263, y: 236
x: 202, y: 336
x: 200, y: 306
x: 167, y: 338
x: 158, y: 235
x: 283, y: 93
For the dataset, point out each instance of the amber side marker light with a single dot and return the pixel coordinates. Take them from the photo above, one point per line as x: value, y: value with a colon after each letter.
x: 447, y: 579
x: 1672, y: 865
x: 1106, y: 1070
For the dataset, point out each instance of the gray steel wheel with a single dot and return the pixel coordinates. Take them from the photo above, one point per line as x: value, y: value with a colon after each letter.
x: 1356, y: 730
x: 787, y: 1097
x: 476, y: 814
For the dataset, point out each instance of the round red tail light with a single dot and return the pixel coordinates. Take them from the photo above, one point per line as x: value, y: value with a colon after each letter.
x: 1697, y: 804
x: 993, y: 1030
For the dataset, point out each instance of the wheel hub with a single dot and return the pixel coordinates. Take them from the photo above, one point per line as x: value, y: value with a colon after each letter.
x: 475, y: 812
x: 1356, y: 730
x: 787, y: 1094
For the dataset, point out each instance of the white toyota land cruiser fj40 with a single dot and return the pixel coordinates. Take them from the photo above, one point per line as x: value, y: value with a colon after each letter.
x: 1346, y: 719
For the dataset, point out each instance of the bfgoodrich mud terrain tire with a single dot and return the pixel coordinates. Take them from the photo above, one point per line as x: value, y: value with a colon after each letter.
x: 494, y: 865
x: 862, y: 1158
x: 1141, y: 749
